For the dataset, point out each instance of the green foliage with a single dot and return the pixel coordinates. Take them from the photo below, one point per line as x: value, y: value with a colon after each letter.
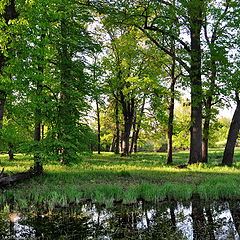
x: 181, y: 136
x: 13, y: 136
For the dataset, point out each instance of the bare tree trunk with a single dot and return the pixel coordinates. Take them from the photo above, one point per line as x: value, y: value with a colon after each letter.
x: 208, y: 103
x: 171, y: 111
x: 99, y: 128
x: 133, y: 134
x: 121, y: 142
x: 126, y: 136
x: 10, y: 151
x: 205, y: 140
x: 117, y: 142
x: 128, y: 107
x: 112, y: 146
x: 195, y: 13
x: 136, y: 137
x: 232, y: 137
x: 37, y: 129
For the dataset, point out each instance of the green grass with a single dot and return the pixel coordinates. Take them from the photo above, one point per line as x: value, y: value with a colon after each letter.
x: 108, y: 177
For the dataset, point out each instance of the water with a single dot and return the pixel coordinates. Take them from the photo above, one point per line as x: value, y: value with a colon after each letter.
x: 166, y: 220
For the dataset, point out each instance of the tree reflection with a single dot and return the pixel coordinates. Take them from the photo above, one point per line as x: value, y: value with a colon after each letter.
x: 235, y: 212
x: 165, y: 220
x: 199, y: 221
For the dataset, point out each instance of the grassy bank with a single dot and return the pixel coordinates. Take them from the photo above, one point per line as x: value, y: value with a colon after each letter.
x: 106, y: 178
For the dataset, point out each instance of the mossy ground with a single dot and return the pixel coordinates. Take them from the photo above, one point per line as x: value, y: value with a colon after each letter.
x: 108, y: 177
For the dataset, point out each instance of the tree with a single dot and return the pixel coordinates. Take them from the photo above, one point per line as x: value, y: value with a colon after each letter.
x: 50, y: 75
x: 7, y: 14
x: 155, y: 19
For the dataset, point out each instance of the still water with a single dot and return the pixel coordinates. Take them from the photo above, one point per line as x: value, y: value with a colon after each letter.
x: 165, y: 220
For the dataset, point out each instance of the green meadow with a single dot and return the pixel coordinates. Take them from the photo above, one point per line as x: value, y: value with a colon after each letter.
x: 109, y: 178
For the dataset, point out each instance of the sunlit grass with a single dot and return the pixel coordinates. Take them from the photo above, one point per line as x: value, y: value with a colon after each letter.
x: 108, y: 177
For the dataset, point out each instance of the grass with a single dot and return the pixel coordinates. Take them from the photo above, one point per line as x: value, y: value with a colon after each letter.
x: 107, y: 178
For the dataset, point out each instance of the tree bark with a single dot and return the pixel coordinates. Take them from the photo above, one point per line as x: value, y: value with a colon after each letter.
x: 136, y: 135
x: 99, y: 128
x: 10, y: 151
x: 113, y: 144
x: 133, y: 133
x: 232, y: 137
x: 6, y: 181
x: 171, y: 112
x: 117, y: 141
x: 209, y: 99
x: 195, y: 13
x: 128, y: 115
x: 205, y: 140
x: 126, y: 135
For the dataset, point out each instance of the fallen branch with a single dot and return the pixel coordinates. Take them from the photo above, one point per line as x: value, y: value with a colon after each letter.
x: 8, y: 180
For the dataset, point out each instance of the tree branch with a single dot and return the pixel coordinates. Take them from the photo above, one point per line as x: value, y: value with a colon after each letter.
x: 181, y: 62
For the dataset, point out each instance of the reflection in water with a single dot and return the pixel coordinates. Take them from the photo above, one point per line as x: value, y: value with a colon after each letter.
x: 166, y: 220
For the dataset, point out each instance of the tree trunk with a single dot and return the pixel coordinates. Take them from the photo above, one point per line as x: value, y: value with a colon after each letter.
x: 8, y: 180
x: 117, y: 141
x: 171, y: 112
x: 133, y: 134
x: 113, y: 144
x: 10, y: 151
x: 126, y: 135
x: 195, y: 13
x: 2, y: 104
x: 232, y: 137
x: 208, y: 103
x: 99, y: 128
x: 205, y: 139
x: 136, y: 136
x: 128, y: 107
x: 37, y: 133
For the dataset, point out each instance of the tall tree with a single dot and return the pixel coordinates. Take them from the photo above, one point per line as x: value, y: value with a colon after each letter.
x: 50, y: 76
x: 155, y: 19
x: 7, y: 14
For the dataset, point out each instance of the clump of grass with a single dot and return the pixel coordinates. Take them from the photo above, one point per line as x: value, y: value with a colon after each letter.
x: 219, y: 188
x: 130, y: 195
x: 147, y: 191
x: 177, y: 191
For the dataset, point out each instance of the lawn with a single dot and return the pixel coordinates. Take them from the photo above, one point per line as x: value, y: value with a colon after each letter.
x: 107, y: 178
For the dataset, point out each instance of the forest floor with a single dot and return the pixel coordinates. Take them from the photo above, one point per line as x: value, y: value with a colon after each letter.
x: 106, y: 178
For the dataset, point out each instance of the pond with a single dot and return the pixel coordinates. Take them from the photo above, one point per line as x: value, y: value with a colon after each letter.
x: 165, y: 220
